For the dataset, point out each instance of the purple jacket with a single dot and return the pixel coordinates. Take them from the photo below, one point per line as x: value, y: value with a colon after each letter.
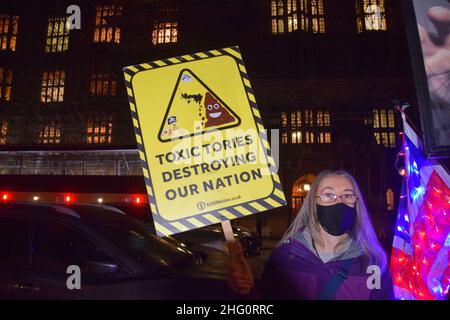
x: 294, y: 271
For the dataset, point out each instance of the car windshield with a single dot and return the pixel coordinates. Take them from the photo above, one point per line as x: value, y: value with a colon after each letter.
x: 137, y: 240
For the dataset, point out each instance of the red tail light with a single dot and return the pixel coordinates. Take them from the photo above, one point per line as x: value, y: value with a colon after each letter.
x: 6, y: 196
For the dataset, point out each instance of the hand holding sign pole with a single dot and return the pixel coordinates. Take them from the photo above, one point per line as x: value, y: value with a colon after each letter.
x: 203, y: 148
x: 237, y: 262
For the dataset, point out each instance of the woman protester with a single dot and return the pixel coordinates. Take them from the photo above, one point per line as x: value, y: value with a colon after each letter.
x: 330, y: 251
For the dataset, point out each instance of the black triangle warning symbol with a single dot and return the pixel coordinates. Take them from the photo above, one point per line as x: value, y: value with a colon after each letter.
x: 194, y: 109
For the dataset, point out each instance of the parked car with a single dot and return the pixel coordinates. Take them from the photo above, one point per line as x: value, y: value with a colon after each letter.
x: 212, y: 237
x: 207, y: 237
x: 118, y: 256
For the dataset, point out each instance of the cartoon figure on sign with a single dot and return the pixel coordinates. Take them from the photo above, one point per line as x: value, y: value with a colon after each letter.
x: 172, y: 122
x: 216, y: 114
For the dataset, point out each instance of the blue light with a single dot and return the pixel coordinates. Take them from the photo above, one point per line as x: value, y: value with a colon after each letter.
x: 437, y: 289
x: 406, y: 218
x: 417, y: 192
x: 414, y: 168
x: 447, y: 241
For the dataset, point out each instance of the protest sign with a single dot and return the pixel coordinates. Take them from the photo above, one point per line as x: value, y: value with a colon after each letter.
x: 205, y: 154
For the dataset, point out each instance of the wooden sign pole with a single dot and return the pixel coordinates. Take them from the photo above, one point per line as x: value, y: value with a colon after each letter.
x: 233, y: 246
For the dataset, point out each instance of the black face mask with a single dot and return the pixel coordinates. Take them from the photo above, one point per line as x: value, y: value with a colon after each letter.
x: 336, y: 219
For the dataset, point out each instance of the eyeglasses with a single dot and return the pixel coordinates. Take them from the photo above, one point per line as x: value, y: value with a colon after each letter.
x: 347, y: 198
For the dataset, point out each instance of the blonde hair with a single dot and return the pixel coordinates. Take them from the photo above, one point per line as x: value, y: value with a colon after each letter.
x: 362, y: 231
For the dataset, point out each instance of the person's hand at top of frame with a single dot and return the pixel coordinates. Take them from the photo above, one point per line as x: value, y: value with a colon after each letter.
x: 240, y: 277
x: 436, y: 51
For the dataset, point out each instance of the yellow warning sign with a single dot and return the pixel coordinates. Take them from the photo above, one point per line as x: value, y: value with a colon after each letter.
x: 204, y: 151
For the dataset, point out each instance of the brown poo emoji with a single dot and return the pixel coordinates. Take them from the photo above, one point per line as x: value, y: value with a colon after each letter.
x: 216, y: 114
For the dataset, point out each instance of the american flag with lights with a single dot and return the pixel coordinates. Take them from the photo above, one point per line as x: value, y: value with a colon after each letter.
x: 420, y: 260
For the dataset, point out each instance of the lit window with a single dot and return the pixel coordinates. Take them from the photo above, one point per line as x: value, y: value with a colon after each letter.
x: 3, y: 131
x: 99, y: 129
x: 57, y: 35
x: 326, y: 118
x: 277, y: 16
x: 283, y: 119
x: 165, y: 32
x: 384, y: 139
x: 284, y: 138
x: 105, y: 30
x: 370, y: 15
x: 324, y: 137
x: 383, y: 118
x: 9, y: 26
x: 312, y: 17
x: 383, y: 123
x: 298, y: 123
x: 319, y: 119
x: 391, y: 119
x: 296, y: 137
x: 296, y: 119
x: 291, y: 6
x: 384, y: 127
x: 392, y: 140
x: 322, y: 121
x: 50, y: 133
x: 292, y: 19
x: 304, y: 15
x: 309, y: 137
x: 103, y: 84
x: 309, y: 119
x: 377, y: 137
x: 52, y: 89
x: 308, y: 125
x: 287, y: 17
x: 376, y: 119
x: 5, y: 84
x: 317, y: 16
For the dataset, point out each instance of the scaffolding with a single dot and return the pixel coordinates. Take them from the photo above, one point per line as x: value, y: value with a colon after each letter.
x: 120, y: 162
